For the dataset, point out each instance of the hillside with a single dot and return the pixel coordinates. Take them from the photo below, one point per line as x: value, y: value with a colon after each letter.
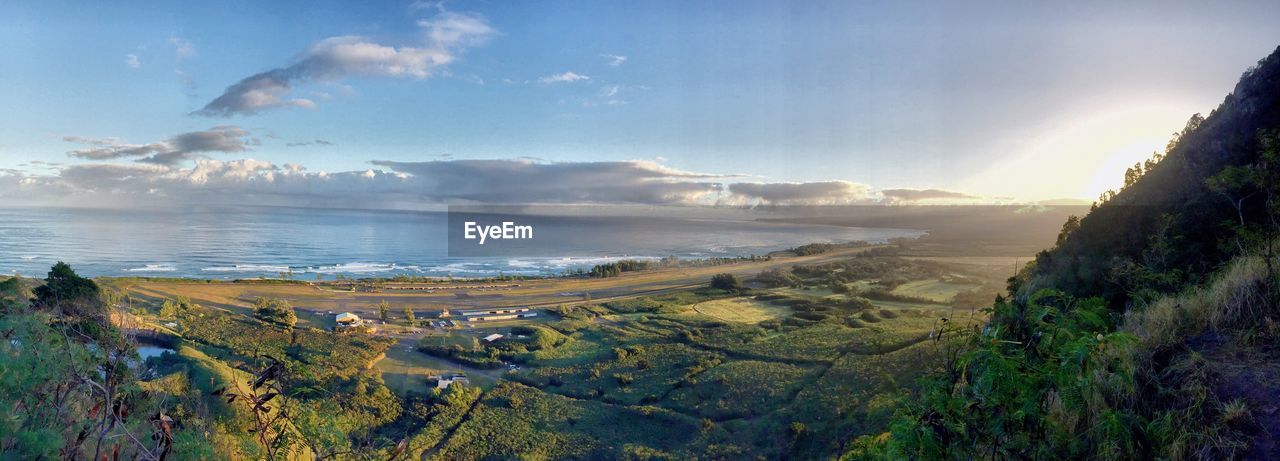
x: 1171, y: 204
x: 1148, y: 332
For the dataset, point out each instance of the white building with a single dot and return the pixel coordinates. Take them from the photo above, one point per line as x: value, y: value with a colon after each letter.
x: 348, y: 320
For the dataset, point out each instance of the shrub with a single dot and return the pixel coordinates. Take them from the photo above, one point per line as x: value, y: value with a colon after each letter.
x: 725, y: 281
x: 814, y: 316
x: 274, y: 310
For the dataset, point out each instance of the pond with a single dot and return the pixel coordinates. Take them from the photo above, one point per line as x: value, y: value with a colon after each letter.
x: 148, y: 351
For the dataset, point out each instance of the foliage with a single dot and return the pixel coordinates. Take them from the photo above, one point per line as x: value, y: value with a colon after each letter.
x: 726, y: 282
x: 515, y: 421
x: 172, y: 308
x: 274, y: 310
x: 77, y: 301
x: 409, y: 318
x: 1212, y: 180
x: 315, y: 354
x: 1046, y: 377
x: 778, y: 277
x: 820, y: 248
x: 68, y: 394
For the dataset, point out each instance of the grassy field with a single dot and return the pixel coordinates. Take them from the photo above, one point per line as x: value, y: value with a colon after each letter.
x: 740, y: 310
x: 405, y: 370
x: 934, y: 289
x: 733, y: 387
x: 653, y: 366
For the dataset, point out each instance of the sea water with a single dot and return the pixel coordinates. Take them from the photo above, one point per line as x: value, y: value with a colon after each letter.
x: 307, y: 243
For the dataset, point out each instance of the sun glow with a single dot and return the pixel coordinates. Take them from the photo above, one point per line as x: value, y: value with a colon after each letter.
x: 1084, y: 154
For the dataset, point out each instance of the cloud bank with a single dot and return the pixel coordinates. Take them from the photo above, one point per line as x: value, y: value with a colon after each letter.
x: 808, y: 193
x: 916, y: 195
x: 175, y: 171
x: 173, y: 151
x: 336, y: 58
x: 527, y: 181
x: 393, y: 185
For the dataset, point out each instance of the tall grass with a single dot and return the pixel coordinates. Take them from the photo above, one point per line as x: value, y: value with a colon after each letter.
x: 1237, y: 297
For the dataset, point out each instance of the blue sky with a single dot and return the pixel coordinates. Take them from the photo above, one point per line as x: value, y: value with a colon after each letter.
x: 854, y: 97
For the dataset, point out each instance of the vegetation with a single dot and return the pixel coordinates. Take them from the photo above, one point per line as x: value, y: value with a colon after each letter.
x: 1146, y: 332
x: 820, y: 248
x: 726, y: 282
x: 277, y: 311
x: 64, y: 345
x: 616, y: 268
x: 409, y: 318
x: 1128, y: 339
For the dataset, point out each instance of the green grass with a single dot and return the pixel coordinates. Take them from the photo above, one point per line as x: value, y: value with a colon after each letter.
x: 848, y: 399
x: 519, y: 422
x: 406, y: 371
x: 740, y: 310
x: 740, y: 389
x: 634, y: 375
x: 932, y: 289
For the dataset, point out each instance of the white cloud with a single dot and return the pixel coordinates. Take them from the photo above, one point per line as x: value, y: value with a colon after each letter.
x: 182, y: 50
x: 564, y: 77
x: 337, y: 58
x: 614, y: 60
x: 132, y: 61
x: 532, y: 181
x: 171, y: 173
x: 390, y: 184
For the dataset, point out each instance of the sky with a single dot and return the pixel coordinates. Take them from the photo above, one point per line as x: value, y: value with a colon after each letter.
x: 399, y: 104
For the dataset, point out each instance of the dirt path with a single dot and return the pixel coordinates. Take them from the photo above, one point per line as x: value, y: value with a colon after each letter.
x: 1252, y: 374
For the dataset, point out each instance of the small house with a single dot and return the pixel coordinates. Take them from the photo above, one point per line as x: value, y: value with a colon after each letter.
x: 492, y: 338
x: 348, y: 320
x: 444, y: 381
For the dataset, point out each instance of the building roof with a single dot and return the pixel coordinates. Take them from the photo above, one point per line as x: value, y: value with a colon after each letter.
x: 347, y: 317
x: 495, y: 310
x: 493, y: 337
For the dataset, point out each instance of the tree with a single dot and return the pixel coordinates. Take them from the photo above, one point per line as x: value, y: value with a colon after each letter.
x: 725, y: 281
x: 14, y: 294
x: 169, y: 309
x: 410, y: 318
x: 1251, y: 188
x: 383, y: 310
x: 1132, y: 175
x: 275, y: 310
x: 70, y: 294
x: 1073, y: 223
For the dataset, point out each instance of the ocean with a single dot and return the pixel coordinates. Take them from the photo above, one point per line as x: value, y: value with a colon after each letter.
x: 244, y: 242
